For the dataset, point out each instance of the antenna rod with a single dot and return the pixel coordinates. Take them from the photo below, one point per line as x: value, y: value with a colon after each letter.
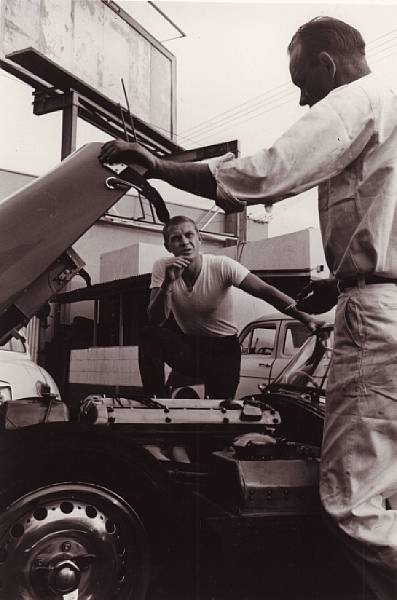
x: 127, y: 137
x: 129, y: 111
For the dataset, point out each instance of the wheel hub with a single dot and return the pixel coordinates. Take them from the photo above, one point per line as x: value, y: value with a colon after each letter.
x: 64, y: 577
x: 60, y: 574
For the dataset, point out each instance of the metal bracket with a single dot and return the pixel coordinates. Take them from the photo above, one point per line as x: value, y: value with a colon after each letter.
x: 48, y: 101
x: 114, y: 183
x: 206, y: 219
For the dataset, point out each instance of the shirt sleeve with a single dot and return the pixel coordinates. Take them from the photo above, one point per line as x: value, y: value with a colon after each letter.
x: 233, y: 273
x: 317, y: 147
x: 158, y: 274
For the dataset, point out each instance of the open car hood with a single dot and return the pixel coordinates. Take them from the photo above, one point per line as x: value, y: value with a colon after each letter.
x: 38, y: 225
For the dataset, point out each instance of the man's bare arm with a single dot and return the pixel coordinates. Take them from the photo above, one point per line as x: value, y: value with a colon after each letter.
x: 160, y: 297
x: 285, y: 304
x: 159, y: 305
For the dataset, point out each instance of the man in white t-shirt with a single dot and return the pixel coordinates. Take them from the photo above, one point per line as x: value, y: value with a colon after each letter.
x: 197, y: 289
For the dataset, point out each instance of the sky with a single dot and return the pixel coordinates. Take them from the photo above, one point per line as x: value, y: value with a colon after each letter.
x: 232, y: 83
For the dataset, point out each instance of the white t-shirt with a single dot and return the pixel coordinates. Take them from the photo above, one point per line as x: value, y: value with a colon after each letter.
x: 208, y: 308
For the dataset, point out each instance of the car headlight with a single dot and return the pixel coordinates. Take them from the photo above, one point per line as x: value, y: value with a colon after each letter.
x: 5, y: 393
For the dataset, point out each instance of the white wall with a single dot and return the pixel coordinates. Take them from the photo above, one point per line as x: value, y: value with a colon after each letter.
x: 130, y: 260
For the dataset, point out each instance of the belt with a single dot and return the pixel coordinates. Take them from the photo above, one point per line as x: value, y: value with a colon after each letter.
x: 362, y: 280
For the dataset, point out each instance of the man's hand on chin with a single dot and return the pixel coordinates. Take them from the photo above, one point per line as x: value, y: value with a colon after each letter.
x: 175, y: 267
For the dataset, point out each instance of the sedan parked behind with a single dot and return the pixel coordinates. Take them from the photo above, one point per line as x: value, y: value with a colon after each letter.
x: 20, y: 377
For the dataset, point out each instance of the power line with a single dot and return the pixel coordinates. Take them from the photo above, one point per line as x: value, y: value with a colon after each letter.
x: 177, y: 135
x: 372, y: 54
x: 212, y: 122
x: 255, y: 116
x: 381, y: 36
x: 240, y: 118
x: 382, y: 44
x: 253, y: 99
x: 245, y: 119
x: 241, y: 113
x: 238, y: 111
x: 237, y: 115
x: 386, y: 56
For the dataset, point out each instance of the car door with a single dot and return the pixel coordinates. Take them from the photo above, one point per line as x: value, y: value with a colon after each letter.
x: 258, y: 353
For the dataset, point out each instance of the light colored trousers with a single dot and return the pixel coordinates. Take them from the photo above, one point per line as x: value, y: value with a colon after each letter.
x: 359, y: 455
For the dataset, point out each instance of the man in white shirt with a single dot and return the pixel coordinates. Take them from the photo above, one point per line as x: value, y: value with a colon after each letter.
x: 346, y: 144
x: 197, y: 288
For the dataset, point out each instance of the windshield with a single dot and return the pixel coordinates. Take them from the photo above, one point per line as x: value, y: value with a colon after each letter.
x: 309, y: 367
x: 15, y: 344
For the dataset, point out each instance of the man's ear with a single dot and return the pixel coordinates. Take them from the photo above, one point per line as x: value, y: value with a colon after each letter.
x: 328, y: 62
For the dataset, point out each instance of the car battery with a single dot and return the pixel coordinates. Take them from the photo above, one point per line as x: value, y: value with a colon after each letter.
x: 260, y: 487
x: 31, y: 411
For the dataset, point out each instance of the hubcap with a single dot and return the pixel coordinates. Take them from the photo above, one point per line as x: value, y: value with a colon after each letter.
x: 68, y: 538
x: 65, y: 578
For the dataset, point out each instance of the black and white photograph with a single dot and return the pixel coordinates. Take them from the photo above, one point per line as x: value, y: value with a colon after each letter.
x: 198, y: 300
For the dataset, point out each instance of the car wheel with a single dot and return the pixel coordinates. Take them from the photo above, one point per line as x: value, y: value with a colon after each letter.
x: 72, y: 540
x: 78, y: 521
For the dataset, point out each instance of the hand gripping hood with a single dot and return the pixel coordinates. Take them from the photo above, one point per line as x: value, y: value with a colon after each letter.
x: 39, y: 223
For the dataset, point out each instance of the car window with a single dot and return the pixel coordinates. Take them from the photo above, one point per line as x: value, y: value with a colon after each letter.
x: 295, y: 335
x: 260, y: 340
x: 14, y: 345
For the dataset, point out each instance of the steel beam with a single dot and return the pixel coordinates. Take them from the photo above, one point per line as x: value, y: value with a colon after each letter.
x: 69, y: 125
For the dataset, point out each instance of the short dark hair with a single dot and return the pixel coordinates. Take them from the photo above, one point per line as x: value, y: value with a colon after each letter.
x: 176, y: 221
x: 326, y: 34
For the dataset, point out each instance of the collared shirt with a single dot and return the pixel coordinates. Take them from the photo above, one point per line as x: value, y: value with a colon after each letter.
x: 347, y: 145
